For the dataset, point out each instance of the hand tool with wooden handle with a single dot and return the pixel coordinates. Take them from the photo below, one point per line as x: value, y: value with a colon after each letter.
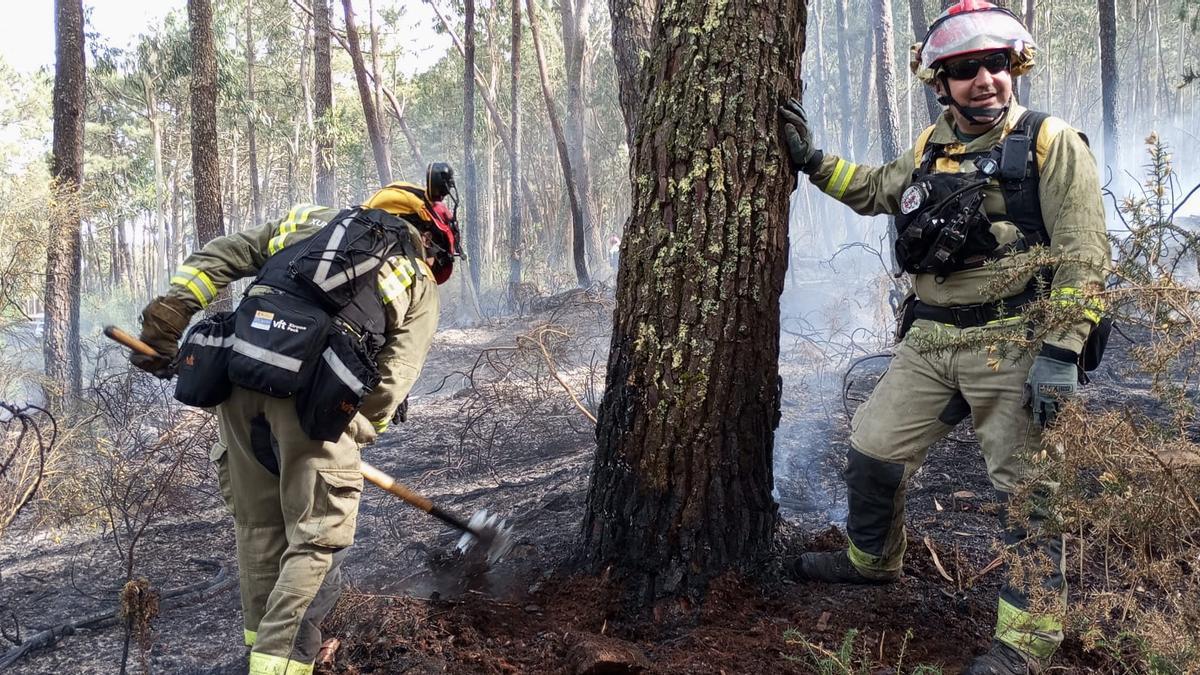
x: 488, y: 530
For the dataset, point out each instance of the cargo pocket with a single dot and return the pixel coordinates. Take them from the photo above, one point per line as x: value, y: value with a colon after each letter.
x: 341, y: 378
x: 203, y: 362
x: 277, y: 337
x: 335, y: 506
x: 219, y: 456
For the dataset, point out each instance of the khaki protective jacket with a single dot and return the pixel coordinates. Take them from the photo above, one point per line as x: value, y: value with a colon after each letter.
x: 1072, y: 211
x: 411, y: 308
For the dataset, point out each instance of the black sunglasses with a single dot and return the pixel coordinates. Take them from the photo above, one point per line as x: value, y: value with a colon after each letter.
x: 967, y: 69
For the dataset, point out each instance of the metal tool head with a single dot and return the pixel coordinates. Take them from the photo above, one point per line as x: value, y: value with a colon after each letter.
x: 492, y: 533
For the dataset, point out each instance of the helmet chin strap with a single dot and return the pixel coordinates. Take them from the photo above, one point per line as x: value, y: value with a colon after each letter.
x: 974, y: 115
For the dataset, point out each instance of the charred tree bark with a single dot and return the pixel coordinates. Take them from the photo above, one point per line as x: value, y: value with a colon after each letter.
x: 514, y: 161
x: 206, y: 166
x: 920, y: 26
x: 471, y: 218
x: 251, y: 132
x: 378, y: 147
x: 1110, y: 81
x: 578, y: 228
x: 61, y: 348
x: 323, y: 105
x: 632, y: 21
x: 681, y: 486
x: 885, y: 72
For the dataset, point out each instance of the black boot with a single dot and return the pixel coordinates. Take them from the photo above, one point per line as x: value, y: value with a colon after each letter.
x: 1002, y: 660
x: 832, y: 567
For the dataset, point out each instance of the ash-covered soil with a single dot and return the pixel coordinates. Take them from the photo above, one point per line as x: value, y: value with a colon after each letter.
x: 490, y: 427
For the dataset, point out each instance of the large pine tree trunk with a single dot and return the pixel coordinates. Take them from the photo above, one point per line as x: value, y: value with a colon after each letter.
x: 61, y: 347
x: 378, y: 147
x: 681, y: 486
x: 470, y: 220
x: 632, y: 21
x: 1110, y: 81
x: 515, y: 242
x: 578, y: 226
x: 206, y: 167
x: 323, y: 105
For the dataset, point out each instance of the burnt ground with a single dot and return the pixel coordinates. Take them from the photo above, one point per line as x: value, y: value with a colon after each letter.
x: 490, y: 428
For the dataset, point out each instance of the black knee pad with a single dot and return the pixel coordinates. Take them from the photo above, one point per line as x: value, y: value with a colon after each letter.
x: 871, y: 485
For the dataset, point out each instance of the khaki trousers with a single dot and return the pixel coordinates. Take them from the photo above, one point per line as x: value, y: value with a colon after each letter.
x: 295, y: 505
x: 918, y: 401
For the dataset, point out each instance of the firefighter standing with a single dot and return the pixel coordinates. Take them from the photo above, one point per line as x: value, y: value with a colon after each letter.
x: 1045, y: 192
x: 294, y: 499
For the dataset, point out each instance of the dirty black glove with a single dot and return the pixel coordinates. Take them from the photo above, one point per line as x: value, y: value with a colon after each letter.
x: 1052, y: 380
x: 803, y: 155
x: 163, y: 323
x: 401, y: 414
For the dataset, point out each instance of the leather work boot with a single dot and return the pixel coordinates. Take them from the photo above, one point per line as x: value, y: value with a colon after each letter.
x: 831, y: 567
x: 1002, y: 660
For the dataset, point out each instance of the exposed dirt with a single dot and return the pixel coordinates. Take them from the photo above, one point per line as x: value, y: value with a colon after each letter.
x: 511, y: 441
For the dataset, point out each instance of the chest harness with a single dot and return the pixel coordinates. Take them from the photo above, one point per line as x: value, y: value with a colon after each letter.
x: 943, y: 228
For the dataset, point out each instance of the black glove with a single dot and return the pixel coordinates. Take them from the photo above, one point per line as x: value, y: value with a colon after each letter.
x: 163, y: 322
x: 401, y: 414
x: 1053, y: 378
x: 803, y: 155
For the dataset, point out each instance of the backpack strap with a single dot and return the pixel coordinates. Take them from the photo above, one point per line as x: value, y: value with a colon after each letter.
x: 1022, y: 204
x: 919, y: 147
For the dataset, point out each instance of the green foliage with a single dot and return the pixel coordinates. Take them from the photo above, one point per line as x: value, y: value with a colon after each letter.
x: 851, y: 657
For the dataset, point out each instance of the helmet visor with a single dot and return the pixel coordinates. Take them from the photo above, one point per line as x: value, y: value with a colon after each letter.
x: 970, y: 32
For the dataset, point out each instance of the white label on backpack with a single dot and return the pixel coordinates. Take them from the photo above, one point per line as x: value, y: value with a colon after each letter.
x: 262, y: 320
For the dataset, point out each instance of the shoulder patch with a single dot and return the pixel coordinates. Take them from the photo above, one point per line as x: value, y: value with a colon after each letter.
x: 1051, y: 129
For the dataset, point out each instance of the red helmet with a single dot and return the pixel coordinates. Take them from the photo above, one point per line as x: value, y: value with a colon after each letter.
x: 445, y: 245
x: 971, y: 26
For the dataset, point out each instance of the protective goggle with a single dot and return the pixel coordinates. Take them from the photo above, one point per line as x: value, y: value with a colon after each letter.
x: 968, y: 68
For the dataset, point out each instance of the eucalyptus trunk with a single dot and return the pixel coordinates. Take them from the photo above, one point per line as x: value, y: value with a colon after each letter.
x: 370, y: 113
x: 470, y: 220
x: 1110, y: 81
x: 514, y: 161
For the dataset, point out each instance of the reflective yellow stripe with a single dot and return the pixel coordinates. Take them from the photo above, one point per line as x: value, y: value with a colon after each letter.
x: 843, y: 171
x: 249, y: 636
x: 380, y: 427
x: 874, y: 566
x: 297, y: 215
x: 1037, y: 635
x: 266, y: 664
x: 405, y: 272
x: 191, y: 286
x: 389, y: 285
x: 1071, y: 296
x: 199, y: 274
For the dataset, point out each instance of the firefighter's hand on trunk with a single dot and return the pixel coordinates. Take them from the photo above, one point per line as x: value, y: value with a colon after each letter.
x: 804, y: 157
x: 1052, y: 380
x: 163, y: 322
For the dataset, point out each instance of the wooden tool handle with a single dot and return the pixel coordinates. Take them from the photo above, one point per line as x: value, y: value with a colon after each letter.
x: 386, y: 482
x: 117, y: 335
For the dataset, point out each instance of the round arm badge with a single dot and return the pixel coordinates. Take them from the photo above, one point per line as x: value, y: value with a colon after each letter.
x: 913, y: 198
